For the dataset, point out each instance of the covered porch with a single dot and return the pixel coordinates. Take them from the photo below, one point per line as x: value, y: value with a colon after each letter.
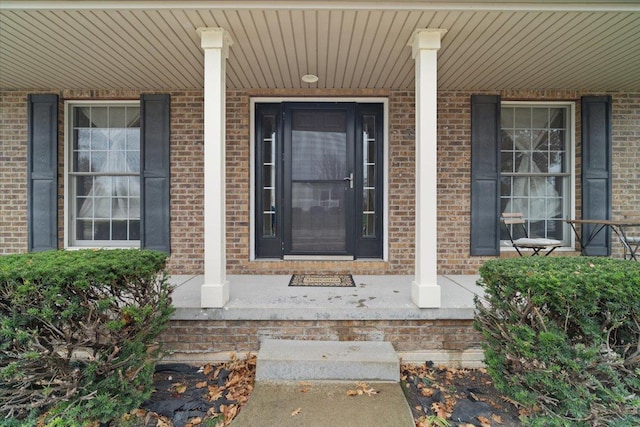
x: 260, y: 297
x: 378, y: 308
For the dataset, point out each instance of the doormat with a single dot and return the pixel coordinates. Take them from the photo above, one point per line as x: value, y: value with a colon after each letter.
x: 340, y: 280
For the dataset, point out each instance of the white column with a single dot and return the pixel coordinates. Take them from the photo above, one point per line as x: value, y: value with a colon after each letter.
x: 215, y: 291
x: 425, y: 291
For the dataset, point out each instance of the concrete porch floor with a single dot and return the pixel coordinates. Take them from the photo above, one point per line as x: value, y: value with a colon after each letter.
x: 256, y: 297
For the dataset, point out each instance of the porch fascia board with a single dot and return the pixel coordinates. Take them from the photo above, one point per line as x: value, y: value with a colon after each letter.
x: 478, y: 5
x: 215, y: 290
x: 425, y: 291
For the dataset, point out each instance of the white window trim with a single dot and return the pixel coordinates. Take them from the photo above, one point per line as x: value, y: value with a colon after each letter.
x: 68, y: 200
x: 385, y: 140
x: 571, y: 128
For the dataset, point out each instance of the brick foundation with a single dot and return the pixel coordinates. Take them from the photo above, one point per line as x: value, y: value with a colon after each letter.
x: 196, y: 341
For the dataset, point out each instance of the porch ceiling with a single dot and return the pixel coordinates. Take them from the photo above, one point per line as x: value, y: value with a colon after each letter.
x: 356, y: 44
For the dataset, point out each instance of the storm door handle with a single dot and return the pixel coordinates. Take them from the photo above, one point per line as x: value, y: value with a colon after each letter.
x: 350, y: 179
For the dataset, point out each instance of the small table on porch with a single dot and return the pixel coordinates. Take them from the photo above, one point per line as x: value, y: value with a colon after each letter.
x: 618, y: 227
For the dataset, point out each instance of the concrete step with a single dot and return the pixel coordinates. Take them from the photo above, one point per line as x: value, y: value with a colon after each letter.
x: 287, y: 360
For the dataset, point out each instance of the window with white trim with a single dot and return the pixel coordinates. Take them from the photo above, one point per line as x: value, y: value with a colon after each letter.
x: 103, y: 174
x: 536, y: 173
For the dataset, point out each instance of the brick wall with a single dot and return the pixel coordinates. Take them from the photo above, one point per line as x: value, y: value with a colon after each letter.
x: 188, y: 338
x: 187, y: 187
x: 13, y: 172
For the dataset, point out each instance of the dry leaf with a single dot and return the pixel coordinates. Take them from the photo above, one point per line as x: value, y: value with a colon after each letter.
x: 194, y: 422
x: 207, y: 369
x: 369, y: 391
x: 296, y: 412
x: 484, y: 421
x: 439, y: 409
x: 164, y: 422
x: 179, y: 388
x: 427, y: 392
x: 202, y: 384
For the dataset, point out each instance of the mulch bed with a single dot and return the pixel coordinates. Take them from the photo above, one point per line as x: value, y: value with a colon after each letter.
x: 463, y: 397
x: 188, y: 396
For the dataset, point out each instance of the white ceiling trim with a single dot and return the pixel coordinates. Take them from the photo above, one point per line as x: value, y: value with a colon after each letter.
x: 482, y: 5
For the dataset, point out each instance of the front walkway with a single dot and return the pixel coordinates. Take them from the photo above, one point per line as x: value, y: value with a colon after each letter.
x: 254, y: 297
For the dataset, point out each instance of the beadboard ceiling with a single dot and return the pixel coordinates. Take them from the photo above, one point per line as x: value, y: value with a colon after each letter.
x: 357, y: 44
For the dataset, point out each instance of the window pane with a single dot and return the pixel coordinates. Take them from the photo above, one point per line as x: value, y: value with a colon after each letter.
x: 522, y: 118
x: 369, y: 200
x: 133, y: 118
x: 81, y: 117
x: 557, y: 116
x: 539, y: 117
x: 119, y: 230
x: 99, y: 139
x: 134, y: 230
x: 117, y: 117
x: 99, y: 117
x: 369, y: 176
x: 133, y: 139
x: 507, y: 117
x: 506, y: 161
x: 319, y: 145
x: 368, y: 225
x: 269, y: 225
x: 522, y: 140
x: 507, y: 136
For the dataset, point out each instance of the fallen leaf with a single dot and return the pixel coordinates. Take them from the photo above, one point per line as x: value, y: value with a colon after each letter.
x: 439, y: 409
x: 484, y: 421
x: 179, y: 388
x: 296, y: 412
x: 194, y: 422
x: 427, y: 392
x: 202, y: 384
x: 496, y: 418
x: 369, y: 391
x: 207, y: 369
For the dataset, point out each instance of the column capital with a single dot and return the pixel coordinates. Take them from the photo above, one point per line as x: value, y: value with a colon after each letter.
x: 215, y: 38
x: 426, y: 38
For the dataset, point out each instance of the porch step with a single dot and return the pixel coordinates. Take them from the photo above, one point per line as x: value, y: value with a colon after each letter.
x: 290, y: 360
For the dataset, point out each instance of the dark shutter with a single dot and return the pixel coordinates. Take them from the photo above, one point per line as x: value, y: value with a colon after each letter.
x: 596, y: 169
x: 42, y: 172
x: 485, y: 175
x: 155, y: 177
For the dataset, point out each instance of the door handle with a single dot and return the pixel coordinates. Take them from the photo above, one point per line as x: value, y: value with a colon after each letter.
x: 350, y: 179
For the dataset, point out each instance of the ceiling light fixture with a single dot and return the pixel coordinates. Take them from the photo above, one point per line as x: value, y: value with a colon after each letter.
x: 309, y: 78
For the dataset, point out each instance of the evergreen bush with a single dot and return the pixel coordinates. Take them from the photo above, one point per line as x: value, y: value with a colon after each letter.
x: 562, y: 336
x: 78, y: 334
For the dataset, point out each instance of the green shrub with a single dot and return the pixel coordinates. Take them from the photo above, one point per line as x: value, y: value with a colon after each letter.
x: 78, y: 331
x: 562, y: 336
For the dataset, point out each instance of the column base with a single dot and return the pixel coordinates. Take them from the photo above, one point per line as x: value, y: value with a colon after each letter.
x: 425, y: 295
x: 214, y: 296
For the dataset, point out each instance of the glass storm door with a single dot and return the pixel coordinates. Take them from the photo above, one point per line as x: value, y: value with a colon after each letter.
x: 318, y: 179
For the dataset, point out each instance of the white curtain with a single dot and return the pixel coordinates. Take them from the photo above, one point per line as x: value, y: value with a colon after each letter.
x: 109, y: 196
x: 535, y: 197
